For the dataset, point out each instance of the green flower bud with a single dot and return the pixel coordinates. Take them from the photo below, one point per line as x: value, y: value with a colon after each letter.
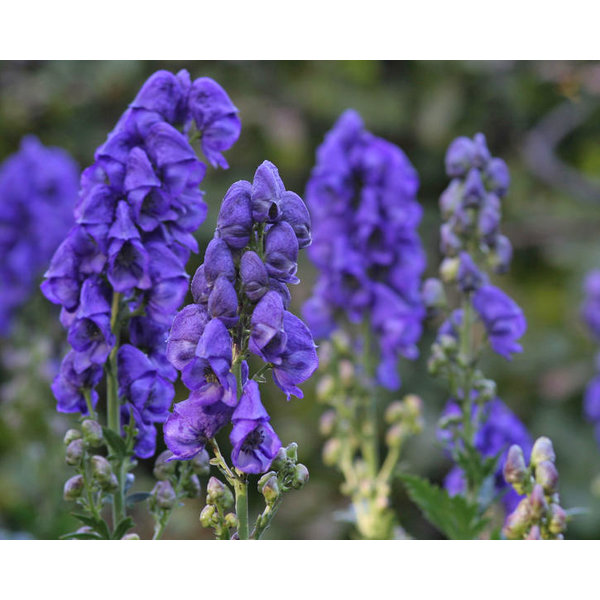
x: 486, y: 389
x: 73, y: 487
x: 449, y: 269
x: 534, y: 533
x: 112, y: 485
x: 346, y: 372
x: 538, y: 503
x: 395, y: 412
x: 332, y: 451
x: 395, y: 435
x: 542, y: 451
x: 325, y: 387
x: 101, y: 469
x: 92, y: 433
x: 191, y: 486
x: 558, y: 519
x: 208, y: 516
x: 280, y: 460
x: 263, y: 480
x: 74, y: 452
x: 163, y: 469
x: 292, y: 452
x: 518, y: 522
x: 325, y: 353
x: 201, y: 463
x: 270, y: 490
x: 341, y: 341
x: 72, y: 434
x: 547, y: 476
x: 448, y: 345
x: 163, y: 495
x: 327, y: 422
x: 433, y: 294
x: 515, y: 471
x: 231, y: 521
x: 218, y: 493
x: 300, y: 476
x: 131, y: 536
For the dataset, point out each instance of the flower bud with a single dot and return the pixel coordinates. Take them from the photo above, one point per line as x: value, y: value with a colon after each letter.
x: 218, y: 493
x: 518, y: 521
x: 231, y: 521
x: 292, y: 451
x: 131, y: 536
x: 395, y: 435
x: 163, y: 469
x: 534, y: 533
x: 71, y: 435
x: 558, y: 519
x: 515, y: 471
x: 263, y: 480
x: 542, y: 451
x: 74, y: 452
x: 73, y: 488
x: 433, y: 294
x: 486, y: 389
x: 327, y: 422
x: 270, y: 490
x: 346, y: 372
x: 85, y: 529
x: 538, y: 503
x: 191, y: 486
x: 280, y: 460
x: 112, y: 485
x: 331, y: 452
x: 449, y: 269
x: 448, y: 344
x: 207, y: 516
x: 395, y: 412
x: 325, y: 387
x: 92, y: 433
x: 101, y: 469
x: 163, y: 495
x: 300, y: 476
x: 547, y: 476
x: 201, y: 463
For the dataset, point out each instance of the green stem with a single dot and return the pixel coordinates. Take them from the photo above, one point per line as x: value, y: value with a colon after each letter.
x: 241, y: 507
x: 88, y: 402
x: 264, y: 521
x: 370, y: 445
x: 389, y: 464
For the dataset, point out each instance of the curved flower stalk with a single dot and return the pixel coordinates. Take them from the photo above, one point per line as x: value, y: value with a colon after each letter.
x: 240, y: 309
x: 120, y: 273
x: 362, y: 197
x: 476, y: 426
x: 38, y: 190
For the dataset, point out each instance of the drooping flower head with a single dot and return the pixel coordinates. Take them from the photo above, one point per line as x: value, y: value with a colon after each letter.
x: 241, y: 302
x: 120, y: 272
x: 38, y: 190
x: 362, y: 198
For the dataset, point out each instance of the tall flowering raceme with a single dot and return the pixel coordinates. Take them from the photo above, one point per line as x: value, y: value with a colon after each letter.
x: 120, y: 275
x: 476, y: 427
x: 362, y: 198
x: 38, y: 189
x: 590, y: 313
x: 240, y: 309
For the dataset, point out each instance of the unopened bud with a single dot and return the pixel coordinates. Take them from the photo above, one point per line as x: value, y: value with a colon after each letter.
x: 74, y: 452
x: 327, y: 422
x: 346, y: 372
x: 558, y: 519
x: 433, y: 294
x: 325, y: 387
x: 280, y: 460
x: 486, y: 389
x: 515, y: 471
x: 218, y: 493
x: 332, y: 451
x: 131, y: 536
x: 92, y: 433
x: 231, y: 521
x: 263, y: 480
x: 207, y: 516
x: 538, y: 503
x: 270, y: 490
x: 448, y: 344
x: 101, y: 469
x: 201, y: 463
x: 72, y: 434
x: 449, y: 269
x: 547, y: 476
x: 163, y: 495
x: 542, y: 451
x: 163, y: 468
x: 395, y: 412
x: 518, y: 521
x: 395, y: 435
x: 73, y: 488
x: 292, y: 451
x: 300, y: 476
x: 112, y: 485
x: 534, y: 533
x: 191, y: 486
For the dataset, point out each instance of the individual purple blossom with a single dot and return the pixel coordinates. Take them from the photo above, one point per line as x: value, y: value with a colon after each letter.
x: 38, y: 190
x: 139, y: 206
x: 362, y: 199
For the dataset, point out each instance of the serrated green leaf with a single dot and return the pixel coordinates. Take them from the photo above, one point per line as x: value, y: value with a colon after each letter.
x: 454, y: 516
x: 137, y: 497
x: 122, y: 528
x: 115, y: 442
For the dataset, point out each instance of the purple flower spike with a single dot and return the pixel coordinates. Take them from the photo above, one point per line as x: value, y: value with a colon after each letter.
x: 223, y: 302
x: 254, y: 441
x: 498, y: 176
x: 268, y: 339
x: 188, y: 326
x: 470, y: 277
x: 281, y: 253
x: 254, y: 276
x: 459, y: 157
x: 294, y: 211
x: 267, y: 190
x: 69, y: 385
x: 235, y: 217
x: 163, y: 93
x: 503, y: 319
x: 218, y: 261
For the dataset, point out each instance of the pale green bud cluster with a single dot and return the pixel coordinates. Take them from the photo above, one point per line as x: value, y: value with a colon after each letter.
x: 538, y: 515
x: 217, y: 514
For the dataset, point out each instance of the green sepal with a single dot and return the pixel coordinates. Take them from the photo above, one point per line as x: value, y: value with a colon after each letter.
x: 115, y: 443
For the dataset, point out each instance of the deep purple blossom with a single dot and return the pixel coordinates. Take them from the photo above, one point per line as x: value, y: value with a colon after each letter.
x: 38, y: 190
x: 362, y: 198
x: 139, y: 206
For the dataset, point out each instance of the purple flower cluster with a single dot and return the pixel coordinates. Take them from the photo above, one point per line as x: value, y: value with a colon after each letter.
x: 362, y: 197
x: 123, y: 263
x: 498, y: 429
x: 241, y: 301
x: 590, y: 313
x: 38, y: 189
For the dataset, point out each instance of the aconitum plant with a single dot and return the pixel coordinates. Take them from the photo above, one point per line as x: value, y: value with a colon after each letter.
x: 362, y: 198
x: 476, y: 426
x: 38, y: 190
x: 120, y: 278
x: 591, y: 316
x: 240, y: 310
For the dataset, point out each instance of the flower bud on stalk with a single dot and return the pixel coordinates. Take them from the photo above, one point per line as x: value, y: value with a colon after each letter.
x: 200, y: 463
x: 101, y: 469
x: 332, y: 452
x: 191, y: 486
x: 71, y: 435
x: 270, y: 490
x: 300, y: 476
x: 218, y: 494
x: 515, y: 471
x: 547, y: 475
x: 327, y: 422
x: 163, y: 468
x: 558, y: 519
x: 92, y: 433
x: 208, y: 516
x: 231, y: 521
x: 73, y: 488
x: 163, y: 495
x: 542, y: 451
x: 74, y: 452
x: 538, y: 503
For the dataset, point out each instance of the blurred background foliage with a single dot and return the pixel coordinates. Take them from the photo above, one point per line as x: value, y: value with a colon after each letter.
x: 542, y: 117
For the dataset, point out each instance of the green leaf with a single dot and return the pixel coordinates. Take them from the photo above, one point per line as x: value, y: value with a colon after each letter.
x: 115, y: 442
x: 137, y: 497
x: 122, y: 528
x: 454, y: 516
x: 98, y: 525
x: 80, y: 536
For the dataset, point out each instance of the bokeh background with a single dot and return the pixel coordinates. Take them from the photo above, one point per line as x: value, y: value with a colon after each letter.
x: 543, y: 118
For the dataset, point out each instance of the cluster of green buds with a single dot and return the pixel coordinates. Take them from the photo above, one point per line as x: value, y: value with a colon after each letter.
x: 539, y: 515
x: 218, y: 513
x: 176, y: 480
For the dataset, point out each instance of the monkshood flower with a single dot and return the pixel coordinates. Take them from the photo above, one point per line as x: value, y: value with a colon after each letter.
x: 362, y: 197
x: 38, y: 190
x: 240, y: 297
x: 120, y: 273
x: 497, y: 429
